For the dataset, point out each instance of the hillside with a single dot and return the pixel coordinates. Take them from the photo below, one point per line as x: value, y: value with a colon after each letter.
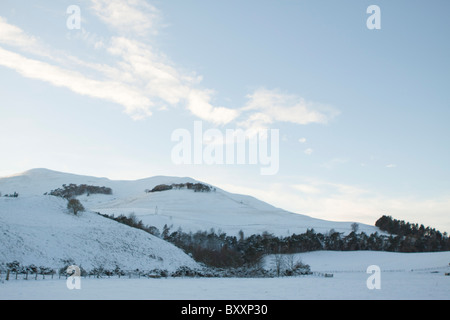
x: 192, y: 211
x: 39, y: 230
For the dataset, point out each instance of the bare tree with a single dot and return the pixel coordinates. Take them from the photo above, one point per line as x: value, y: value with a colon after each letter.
x: 355, y: 227
x: 279, y: 263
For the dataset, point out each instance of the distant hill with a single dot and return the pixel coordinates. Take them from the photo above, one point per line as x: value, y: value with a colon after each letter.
x: 178, y: 207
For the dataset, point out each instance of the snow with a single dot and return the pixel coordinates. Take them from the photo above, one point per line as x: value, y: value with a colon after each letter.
x: 358, y: 261
x: 427, y: 281
x: 220, y: 210
x: 39, y: 230
x: 192, y: 211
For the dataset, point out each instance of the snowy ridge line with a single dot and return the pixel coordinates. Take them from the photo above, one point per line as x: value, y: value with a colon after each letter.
x: 383, y: 270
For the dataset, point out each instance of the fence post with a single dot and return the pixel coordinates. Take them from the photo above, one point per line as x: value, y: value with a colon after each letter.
x: 35, y: 278
x: 26, y: 275
x: 7, y: 275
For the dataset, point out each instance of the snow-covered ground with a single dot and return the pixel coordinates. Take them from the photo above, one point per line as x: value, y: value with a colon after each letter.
x: 37, y: 229
x: 358, y: 261
x: 426, y: 281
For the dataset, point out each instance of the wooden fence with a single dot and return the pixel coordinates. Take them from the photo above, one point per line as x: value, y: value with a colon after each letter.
x: 14, y: 275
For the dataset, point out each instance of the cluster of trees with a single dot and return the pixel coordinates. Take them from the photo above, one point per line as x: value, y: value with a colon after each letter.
x: 219, y: 250
x: 412, y: 237
x: 403, y: 228
x: 197, y: 187
x: 73, y: 190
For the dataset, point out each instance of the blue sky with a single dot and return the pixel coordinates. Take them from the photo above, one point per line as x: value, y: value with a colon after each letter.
x: 362, y: 114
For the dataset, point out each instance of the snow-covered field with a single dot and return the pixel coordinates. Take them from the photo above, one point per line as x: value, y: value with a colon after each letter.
x: 403, y: 277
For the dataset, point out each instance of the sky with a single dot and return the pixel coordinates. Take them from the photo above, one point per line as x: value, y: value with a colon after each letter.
x: 356, y: 118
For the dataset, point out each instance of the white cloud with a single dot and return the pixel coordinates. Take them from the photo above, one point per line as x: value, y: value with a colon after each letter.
x: 142, y: 79
x: 127, y: 16
x: 302, y: 140
x: 278, y: 106
x: 14, y: 36
x: 136, y: 104
x: 199, y: 104
x: 391, y: 165
x: 162, y: 81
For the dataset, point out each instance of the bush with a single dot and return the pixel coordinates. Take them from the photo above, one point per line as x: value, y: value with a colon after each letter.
x: 185, y: 271
x: 161, y: 187
x: 75, y: 206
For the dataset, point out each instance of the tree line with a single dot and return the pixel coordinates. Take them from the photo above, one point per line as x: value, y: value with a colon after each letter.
x: 197, y: 187
x: 217, y: 249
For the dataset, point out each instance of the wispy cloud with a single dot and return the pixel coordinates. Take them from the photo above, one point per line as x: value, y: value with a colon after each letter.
x: 136, y: 17
x: 133, y: 101
x: 13, y: 36
x: 141, y: 78
x: 269, y: 106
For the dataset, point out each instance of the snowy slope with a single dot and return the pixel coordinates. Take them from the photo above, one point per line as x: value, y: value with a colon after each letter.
x: 39, y: 230
x: 183, y: 208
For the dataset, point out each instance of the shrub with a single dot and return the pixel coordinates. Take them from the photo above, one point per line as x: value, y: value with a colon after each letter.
x: 161, y: 187
x: 75, y: 206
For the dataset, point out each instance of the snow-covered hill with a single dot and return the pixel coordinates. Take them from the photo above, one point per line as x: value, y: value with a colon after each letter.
x: 192, y: 211
x: 38, y: 230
